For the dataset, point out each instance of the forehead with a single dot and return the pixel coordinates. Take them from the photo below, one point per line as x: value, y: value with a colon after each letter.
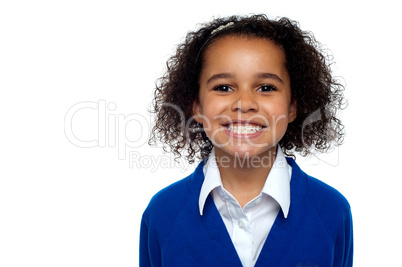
x: 250, y: 51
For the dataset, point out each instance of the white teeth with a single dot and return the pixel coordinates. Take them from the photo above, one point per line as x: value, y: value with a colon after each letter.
x: 243, y: 129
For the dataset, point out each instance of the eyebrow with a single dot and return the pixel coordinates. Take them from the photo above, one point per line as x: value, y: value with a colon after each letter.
x: 219, y: 76
x: 269, y: 76
x: 229, y: 75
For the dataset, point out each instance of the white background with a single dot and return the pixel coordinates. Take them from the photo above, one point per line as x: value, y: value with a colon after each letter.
x: 64, y: 205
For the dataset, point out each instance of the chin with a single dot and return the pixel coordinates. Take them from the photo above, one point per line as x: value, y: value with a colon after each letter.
x: 245, y: 153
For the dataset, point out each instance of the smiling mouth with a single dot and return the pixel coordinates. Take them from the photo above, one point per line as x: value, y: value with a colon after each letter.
x: 244, y: 129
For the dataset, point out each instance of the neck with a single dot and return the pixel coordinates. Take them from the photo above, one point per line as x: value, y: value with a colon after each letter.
x: 245, y: 177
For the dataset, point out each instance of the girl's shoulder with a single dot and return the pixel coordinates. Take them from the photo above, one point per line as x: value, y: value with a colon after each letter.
x: 169, y: 201
x: 323, y: 201
x: 325, y: 197
x: 318, y: 192
x: 327, y: 205
x: 169, y: 198
x: 180, y: 191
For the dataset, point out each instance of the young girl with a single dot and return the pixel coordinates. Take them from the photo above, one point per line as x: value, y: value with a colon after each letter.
x: 240, y: 94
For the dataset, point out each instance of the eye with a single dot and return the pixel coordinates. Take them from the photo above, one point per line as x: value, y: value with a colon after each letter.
x: 266, y: 88
x: 223, y: 88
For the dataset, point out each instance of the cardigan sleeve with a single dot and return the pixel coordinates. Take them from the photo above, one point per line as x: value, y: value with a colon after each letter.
x: 144, y: 251
x: 157, y: 221
x: 149, y: 247
x: 344, y: 243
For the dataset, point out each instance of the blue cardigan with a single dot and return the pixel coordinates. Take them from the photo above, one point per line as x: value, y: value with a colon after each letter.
x: 317, y: 231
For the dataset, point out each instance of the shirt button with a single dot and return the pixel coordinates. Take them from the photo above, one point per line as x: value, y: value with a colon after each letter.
x: 241, y: 224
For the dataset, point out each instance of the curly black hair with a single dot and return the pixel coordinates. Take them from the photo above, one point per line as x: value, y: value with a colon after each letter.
x: 317, y: 93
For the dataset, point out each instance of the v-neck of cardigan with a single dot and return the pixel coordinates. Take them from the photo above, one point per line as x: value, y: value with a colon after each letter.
x: 276, y: 238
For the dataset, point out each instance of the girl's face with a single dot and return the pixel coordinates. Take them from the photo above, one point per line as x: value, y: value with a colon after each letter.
x: 245, y: 99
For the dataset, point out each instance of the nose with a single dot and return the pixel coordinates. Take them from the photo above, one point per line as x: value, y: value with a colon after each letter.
x: 245, y: 102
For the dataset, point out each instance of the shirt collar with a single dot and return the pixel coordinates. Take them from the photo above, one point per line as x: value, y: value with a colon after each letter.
x: 211, y: 181
x: 277, y: 184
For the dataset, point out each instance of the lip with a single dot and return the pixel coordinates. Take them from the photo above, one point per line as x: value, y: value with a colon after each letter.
x: 244, y: 122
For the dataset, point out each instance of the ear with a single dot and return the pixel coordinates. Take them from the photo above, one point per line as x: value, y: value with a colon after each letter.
x: 293, y: 111
x: 197, y: 114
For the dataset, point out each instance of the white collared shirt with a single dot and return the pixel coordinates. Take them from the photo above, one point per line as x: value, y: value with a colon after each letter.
x: 249, y: 227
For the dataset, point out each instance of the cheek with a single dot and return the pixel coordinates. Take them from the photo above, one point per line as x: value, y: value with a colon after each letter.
x: 278, y: 116
x: 213, y: 106
x: 277, y: 109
